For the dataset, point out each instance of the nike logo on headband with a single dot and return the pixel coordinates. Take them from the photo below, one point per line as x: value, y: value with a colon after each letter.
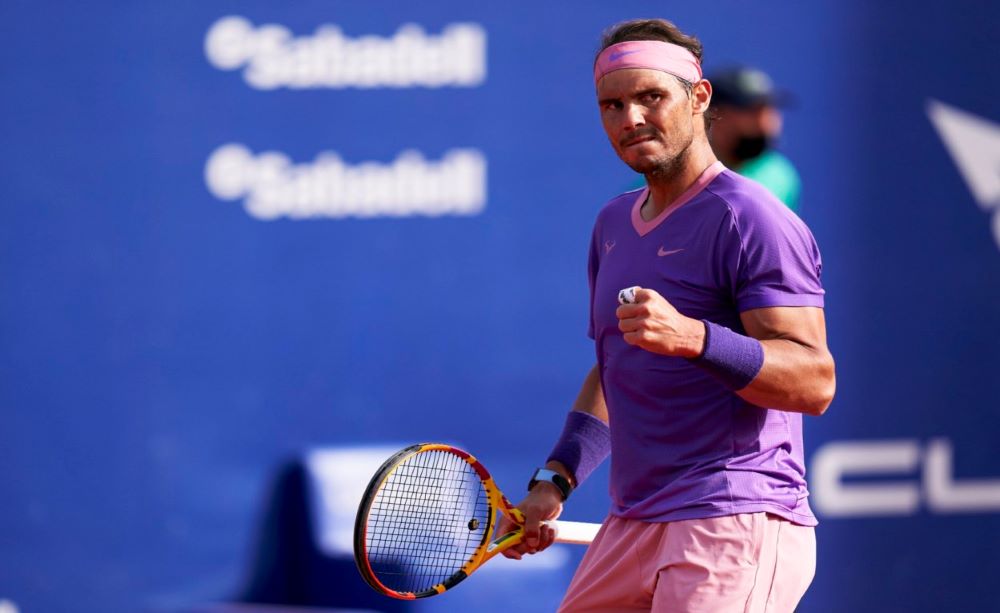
x: 651, y: 54
x: 621, y: 54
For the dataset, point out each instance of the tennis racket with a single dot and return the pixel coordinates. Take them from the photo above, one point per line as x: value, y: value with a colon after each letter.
x: 427, y: 519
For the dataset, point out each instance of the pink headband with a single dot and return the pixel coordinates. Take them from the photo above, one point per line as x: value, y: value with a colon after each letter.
x: 652, y: 54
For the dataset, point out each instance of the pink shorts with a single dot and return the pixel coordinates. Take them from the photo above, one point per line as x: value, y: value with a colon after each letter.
x: 747, y: 563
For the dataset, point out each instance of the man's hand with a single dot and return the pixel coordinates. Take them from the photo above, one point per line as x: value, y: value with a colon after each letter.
x: 543, y: 502
x: 652, y: 323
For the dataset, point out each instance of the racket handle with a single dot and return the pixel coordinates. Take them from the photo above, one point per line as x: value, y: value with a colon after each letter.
x: 574, y: 532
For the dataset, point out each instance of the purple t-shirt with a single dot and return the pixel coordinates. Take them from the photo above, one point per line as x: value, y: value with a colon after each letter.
x: 682, y: 445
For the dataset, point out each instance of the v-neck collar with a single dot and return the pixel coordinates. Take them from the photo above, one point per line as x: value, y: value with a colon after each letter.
x: 643, y: 227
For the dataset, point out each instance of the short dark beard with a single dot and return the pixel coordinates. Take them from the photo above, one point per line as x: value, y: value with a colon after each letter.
x: 669, y: 169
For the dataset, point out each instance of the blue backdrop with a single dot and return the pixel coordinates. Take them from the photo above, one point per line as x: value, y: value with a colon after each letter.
x: 203, y: 273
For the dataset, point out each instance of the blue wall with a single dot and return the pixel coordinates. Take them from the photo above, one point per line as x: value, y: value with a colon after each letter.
x: 164, y: 349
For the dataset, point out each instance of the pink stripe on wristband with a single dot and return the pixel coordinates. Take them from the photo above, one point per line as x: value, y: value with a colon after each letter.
x: 732, y: 358
x: 583, y: 445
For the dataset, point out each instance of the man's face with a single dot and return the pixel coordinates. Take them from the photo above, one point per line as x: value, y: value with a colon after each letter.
x: 648, y: 117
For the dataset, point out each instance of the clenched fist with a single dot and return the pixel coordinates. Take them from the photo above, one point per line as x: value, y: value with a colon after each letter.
x: 652, y: 323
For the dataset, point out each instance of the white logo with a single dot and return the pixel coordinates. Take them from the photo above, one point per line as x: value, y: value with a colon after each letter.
x: 929, y: 472
x: 271, y: 57
x: 974, y: 145
x: 7, y: 606
x: 274, y: 187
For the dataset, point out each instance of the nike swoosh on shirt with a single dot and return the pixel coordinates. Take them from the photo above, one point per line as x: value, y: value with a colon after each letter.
x: 662, y: 253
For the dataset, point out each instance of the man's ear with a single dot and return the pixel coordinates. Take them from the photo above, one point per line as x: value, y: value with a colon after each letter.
x: 701, y: 97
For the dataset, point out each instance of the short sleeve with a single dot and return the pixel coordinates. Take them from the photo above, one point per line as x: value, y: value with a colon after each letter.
x: 777, y: 262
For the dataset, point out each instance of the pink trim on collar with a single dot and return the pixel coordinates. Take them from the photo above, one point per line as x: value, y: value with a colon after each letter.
x: 643, y: 227
x: 652, y: 54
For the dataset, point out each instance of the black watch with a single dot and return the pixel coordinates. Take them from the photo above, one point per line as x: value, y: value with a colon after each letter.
x: 561, y: 482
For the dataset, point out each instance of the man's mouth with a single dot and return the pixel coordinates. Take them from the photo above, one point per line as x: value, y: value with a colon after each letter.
x: 638, y: 140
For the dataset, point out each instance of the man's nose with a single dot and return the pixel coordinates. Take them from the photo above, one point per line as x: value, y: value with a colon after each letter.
x: 634, y: 115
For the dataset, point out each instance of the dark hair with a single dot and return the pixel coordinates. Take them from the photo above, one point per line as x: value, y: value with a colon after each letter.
x: 655, y: 29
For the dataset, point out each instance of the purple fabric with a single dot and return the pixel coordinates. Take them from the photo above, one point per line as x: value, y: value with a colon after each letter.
x: 733, y: 359
x: 683, y: 446
x: 583, y: 445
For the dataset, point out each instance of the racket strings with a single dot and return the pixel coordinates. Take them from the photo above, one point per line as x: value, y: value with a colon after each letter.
x: 426, y: 521
x: 422, y: 520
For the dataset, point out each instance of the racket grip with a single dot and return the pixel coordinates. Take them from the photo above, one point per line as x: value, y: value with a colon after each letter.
x: 574, y: 532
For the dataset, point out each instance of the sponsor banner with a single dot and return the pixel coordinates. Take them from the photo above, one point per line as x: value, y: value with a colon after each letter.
x: 271, y: 57
x: 271, y: 186
x: 901, y: 477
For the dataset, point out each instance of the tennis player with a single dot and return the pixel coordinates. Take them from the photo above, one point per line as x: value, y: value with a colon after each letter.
x: 704, y: 372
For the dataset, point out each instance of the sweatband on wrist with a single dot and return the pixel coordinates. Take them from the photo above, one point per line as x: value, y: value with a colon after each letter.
x: 652, y: 54
x: 730, y: 357
x: 583, y: 445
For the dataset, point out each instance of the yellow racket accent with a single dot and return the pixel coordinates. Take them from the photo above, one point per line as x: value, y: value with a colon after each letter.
x: 426, y: 520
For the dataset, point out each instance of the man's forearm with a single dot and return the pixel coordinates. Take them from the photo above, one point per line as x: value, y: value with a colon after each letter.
x: 798, y: 370
x: 794, y: 377
x: 572, y: 447
x: 590, y: 400
x: 782, y: 362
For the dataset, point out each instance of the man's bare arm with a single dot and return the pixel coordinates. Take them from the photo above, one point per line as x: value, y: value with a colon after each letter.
x: 590, y: 400
x: 798, y: 373
x: 544, y: 501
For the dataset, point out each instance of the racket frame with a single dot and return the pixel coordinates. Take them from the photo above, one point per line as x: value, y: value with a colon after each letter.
x: 485, y: 551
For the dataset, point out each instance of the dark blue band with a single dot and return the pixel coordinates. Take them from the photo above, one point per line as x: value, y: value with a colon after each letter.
x: 732, y: 358
x: 583, y: 445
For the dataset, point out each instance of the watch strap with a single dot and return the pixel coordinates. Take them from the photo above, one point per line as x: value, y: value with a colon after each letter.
x: 561, y: 482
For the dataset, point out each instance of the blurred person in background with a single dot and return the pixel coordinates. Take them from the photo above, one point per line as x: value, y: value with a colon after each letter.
x: 747, y: 123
